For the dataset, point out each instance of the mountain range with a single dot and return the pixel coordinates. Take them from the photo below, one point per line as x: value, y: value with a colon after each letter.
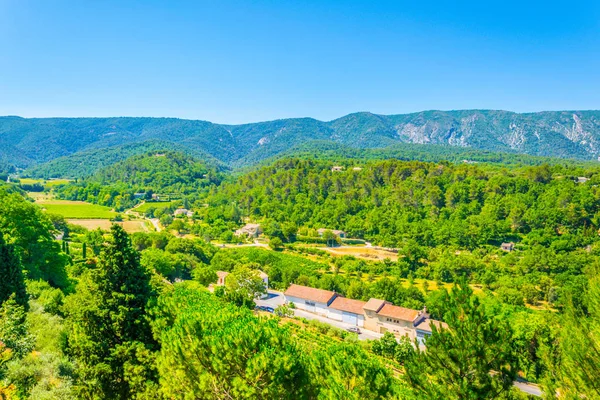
x: 30, y: 142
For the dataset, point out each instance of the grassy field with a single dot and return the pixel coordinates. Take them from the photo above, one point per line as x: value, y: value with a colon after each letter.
x: 153, y: 204
x: 44, y: 182
x: 77, y: 209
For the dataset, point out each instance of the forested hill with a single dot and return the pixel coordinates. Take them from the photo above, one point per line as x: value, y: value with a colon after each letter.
x: 164, y: 172
x: 575, y: 134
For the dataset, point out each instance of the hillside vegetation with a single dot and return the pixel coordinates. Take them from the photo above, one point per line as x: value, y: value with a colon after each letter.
x: 572, y: 134
x: 166, y: 173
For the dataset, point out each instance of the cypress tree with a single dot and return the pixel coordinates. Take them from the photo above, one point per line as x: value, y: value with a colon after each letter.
x: 84, y: 251
x: 109, y: 329
x: 11, y: 274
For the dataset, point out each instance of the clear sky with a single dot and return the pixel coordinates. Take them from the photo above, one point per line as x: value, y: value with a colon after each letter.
x: 234, y: 62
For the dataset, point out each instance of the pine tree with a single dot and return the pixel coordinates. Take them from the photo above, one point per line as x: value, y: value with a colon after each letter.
x: 11, y: 275
x: 109, y: 333
x: 578, y: 369
x: 472, y: 359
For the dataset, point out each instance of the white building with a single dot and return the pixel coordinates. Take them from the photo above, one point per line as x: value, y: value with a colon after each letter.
x: 184, y: 211
x: 310, y: 299
x: 348, y: 311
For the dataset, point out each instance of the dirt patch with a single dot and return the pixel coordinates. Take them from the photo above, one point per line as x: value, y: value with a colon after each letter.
x: 105, y: 224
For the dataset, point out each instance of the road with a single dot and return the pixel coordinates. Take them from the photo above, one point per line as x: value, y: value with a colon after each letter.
x: 276, y: 299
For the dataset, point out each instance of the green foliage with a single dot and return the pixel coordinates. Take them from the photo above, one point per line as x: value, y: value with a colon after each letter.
x: 211, y: 349
x: 156, y: 172
x: 108, y: 328
x: 345, y: 371
x: 31, y: 232
x: 578, y: 367
x: 14, y: 331
x: 243, y: 285
x: 472, y: 359
x: 11, y: 275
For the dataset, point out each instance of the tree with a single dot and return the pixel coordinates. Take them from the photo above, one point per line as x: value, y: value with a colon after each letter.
x: 14, y: 330
x: 471, y: 359
x: 345, y: 371
x: 578, y: 369
x: 214, y: 350
x: 244, y: 285
x: 31, y: 233
x: 108, y: 328
x: 275, y: 243
x: 11, y: 275
x: 205, y: 275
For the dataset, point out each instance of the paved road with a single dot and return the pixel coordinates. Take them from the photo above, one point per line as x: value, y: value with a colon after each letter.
x: 276, y: 299
x: 529, y: 388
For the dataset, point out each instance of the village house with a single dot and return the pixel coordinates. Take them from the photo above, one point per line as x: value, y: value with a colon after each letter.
x: 507, y: 246
x: 375, y: 315
x: 310, y: 299
x: 336, y: 168
x: 338, y: 233
x: 424, y: 329
x: 221, y: 275
x: 183, y: 211
x: 582, y: 179
x: 250, y: 230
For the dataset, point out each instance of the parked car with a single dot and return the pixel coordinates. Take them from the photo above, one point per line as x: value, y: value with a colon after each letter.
x: 354, y: 329
x: 269, y: 309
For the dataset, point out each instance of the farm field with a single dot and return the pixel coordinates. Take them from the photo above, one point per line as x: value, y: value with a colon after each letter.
x: 367, y: 253
x: 77, y: 209
x: 45, y: 182
x: 105, y: 224
x: 142, y: 208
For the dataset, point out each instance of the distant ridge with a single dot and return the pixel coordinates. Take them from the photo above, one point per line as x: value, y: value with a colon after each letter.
x: 26, y: 142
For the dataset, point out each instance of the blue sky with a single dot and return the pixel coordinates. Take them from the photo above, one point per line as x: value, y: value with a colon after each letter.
x: 235, y: 62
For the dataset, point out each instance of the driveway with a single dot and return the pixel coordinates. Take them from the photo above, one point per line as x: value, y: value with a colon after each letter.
x: 276, y: 299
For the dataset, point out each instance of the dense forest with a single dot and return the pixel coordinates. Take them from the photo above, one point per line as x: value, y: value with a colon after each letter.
x: 130, y: 316
x: 170, y: 174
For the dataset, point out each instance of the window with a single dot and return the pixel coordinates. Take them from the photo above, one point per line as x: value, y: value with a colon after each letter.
x: 309, y: 303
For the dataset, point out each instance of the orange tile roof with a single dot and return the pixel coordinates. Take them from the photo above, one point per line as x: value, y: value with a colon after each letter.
x: 308, y: 293
x: 222, y: 274
x: 374, y: 304
x: 405, y: 314
x: 348, y: 305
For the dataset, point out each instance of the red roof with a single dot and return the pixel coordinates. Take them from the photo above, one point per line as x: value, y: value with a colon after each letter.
x: 308, y: 293
x: 405, y: 314
x: 348, y: 305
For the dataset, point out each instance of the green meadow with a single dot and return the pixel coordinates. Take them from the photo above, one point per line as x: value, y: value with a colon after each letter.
x: 142, y: 208
x: 77, y: 209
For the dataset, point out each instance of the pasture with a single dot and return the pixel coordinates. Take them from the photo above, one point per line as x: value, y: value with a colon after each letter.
x: 45, y: 182
x: 76, y: 209
x: 144, y: 207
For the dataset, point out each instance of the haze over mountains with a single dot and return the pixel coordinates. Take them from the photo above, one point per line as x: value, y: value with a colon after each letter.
x: 26, y: 142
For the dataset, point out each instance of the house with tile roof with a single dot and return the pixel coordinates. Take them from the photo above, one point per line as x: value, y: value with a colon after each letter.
x: 310, y: 299
x: 375, y: 315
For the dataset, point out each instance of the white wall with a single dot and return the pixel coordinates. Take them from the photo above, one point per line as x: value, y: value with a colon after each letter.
x: 319, y: 308
x: 335, y: 314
